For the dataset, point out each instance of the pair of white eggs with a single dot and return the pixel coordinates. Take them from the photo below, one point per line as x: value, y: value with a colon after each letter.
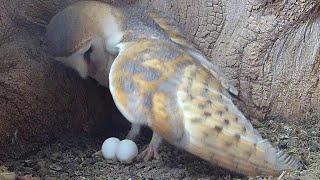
x: 114, y: 149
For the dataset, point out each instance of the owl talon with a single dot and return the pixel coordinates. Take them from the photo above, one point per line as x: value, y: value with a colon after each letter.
x: 149, y: 153
x: 167, y: 85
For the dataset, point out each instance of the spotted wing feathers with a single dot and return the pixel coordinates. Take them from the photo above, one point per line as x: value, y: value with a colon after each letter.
x: 178, y: 36
x: 218, y: 131
x: 156, y: 83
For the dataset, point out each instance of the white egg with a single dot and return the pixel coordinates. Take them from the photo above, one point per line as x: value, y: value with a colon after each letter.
x: 109, y: 148
x: 127, y: 150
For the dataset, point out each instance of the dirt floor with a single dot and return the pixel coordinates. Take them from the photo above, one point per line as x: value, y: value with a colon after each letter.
x: 73, y: 157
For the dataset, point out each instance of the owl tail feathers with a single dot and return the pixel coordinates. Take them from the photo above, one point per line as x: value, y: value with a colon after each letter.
x: 238, y: 154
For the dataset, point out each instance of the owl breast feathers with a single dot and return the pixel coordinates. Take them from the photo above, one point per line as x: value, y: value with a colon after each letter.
x: 157, y: 78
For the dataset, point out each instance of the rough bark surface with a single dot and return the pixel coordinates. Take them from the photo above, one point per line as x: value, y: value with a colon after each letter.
x: 269, y: 49
x: 39, y: 98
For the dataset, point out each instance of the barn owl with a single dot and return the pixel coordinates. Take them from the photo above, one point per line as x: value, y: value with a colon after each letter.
x: 158, y: 79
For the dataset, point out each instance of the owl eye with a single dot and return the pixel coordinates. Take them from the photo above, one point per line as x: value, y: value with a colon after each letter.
x: 87, y: 54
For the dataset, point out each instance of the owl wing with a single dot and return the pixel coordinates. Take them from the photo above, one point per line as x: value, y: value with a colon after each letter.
x: 158, y: 84
x: 171, y: 27
x: 177, y: 35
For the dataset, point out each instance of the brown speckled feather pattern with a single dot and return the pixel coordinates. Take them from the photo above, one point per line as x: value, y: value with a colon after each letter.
x: 144, y: 83
x: 162, y: 86
x: 171, y: 27
x: 177, y: 35
x: 160, y: 80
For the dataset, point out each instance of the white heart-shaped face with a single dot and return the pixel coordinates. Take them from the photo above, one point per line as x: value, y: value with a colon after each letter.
x: 91, y: 60
x: 83, y: 36
x: 77, y: 61
x: 100, y: 61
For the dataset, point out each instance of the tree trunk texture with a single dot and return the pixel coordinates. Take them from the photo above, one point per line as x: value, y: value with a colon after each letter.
x: 39, y: 98
x: 270, y: 50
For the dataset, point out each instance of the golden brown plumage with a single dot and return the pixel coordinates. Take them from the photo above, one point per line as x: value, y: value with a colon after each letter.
x: 186, y: 105
x: 160, y: 80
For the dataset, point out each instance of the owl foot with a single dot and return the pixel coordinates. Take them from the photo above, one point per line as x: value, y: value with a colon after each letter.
x: 151, y: 152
